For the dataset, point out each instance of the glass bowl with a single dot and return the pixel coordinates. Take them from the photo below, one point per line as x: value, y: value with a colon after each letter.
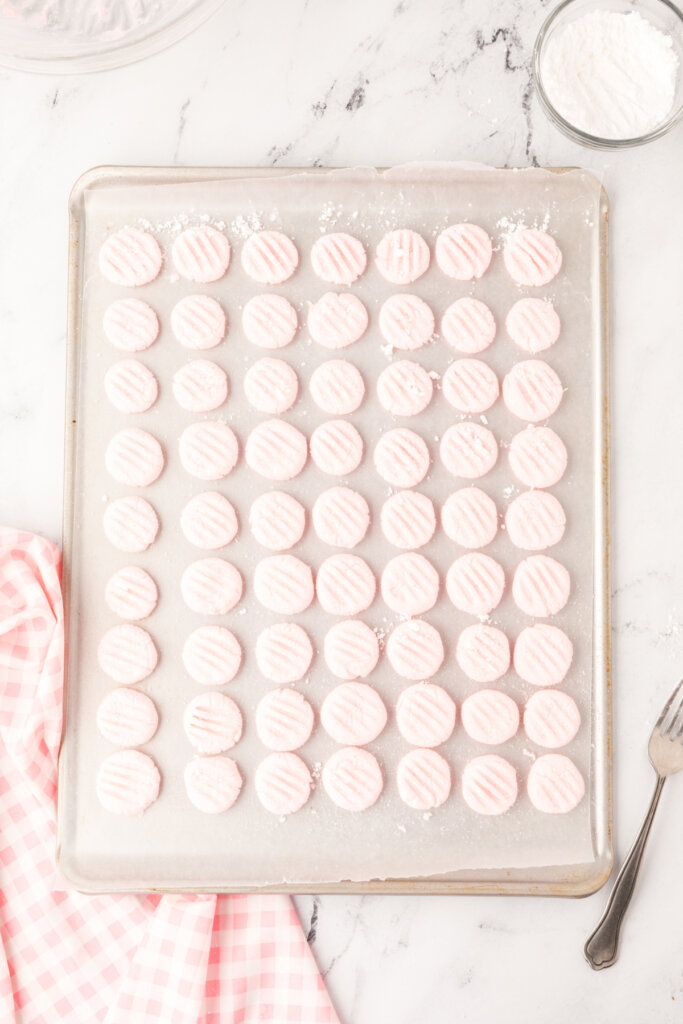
x: 663, y: 14
x: 85, y: 35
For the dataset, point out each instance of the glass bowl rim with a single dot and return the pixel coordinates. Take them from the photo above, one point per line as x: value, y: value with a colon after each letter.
x: 569, y: 129
x: 109, y: 56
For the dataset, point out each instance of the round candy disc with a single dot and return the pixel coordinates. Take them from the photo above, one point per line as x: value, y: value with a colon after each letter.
x: 423, y: 779
x: 554, y: 784
x: 127, y: 782
x: 283, y: 783
x: 130, y: 258
x: 201, y: 254
x: 489, y: 784
x: 212, y: 783
x: 402, y: 256
x: 127, y: 717
x: 353, y: 779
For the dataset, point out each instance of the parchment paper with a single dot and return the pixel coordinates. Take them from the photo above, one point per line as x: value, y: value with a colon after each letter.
x: 174, y: 845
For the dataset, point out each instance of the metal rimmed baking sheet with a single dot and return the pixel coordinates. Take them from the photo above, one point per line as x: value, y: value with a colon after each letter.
x: 394, y: 850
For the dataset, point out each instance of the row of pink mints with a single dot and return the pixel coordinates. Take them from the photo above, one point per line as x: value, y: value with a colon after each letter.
x: 132, y: 257
x: 334, y: 321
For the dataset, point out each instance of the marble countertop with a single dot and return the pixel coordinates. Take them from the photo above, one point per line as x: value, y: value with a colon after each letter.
x: 299, y: 83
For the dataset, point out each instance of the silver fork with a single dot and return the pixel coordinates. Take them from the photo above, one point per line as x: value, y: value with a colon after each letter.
x: 666, y: 756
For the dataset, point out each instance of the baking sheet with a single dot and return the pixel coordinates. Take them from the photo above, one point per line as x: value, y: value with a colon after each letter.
x: 174, y: 846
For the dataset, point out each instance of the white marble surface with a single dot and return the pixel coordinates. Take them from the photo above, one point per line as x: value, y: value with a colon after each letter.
x: 333, y: 83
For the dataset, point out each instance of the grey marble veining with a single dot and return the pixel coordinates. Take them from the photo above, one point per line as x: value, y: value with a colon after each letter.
x: 330, y: 83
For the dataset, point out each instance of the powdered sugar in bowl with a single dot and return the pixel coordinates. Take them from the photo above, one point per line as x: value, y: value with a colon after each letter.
x: 609, y: 73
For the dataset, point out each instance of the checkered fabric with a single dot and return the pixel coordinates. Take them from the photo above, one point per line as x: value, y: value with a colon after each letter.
x: 67, y: 958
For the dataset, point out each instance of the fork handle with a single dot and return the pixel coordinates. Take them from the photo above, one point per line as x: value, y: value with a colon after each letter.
x: 602, y: 948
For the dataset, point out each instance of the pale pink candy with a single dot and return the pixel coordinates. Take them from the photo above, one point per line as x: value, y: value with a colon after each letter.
x: 415, y: 650
x: 339, y: 258
x: 198, y: 322
x: 134, y: 458
x: 337, y: 321
x: 490, y: 717
x: 351, y: 649
x: 284, y: 652
x: 406, y: 322
x: 551, y: 718
x: 410, y: 584
x: 284, y: 719
x: 353, y: 779
x: 463, y: 252
x: 200, y: 386
x: 532, y: 390
x: 269, y: 257
x: 402, y: 256
x: 401, y: 457
x: 408, y: 519
x: 468, y: 450
x: 542, y: 655
x: 489, y: 784
x: 130, y: 258
x: 213, y: 723
x: 404, y: 388
x: 353, y: 714
x: 470, y: 386
x: 336, y: 448
x: 276, y: 450
x: 423, y: 779
x: 283, y: 783
x: 211, y: 586
x: 127, y: 782
x: 271, y: 386
x: 475, y: 584
x: 538, y: 457
x: 341, y: 517
x: 345, y: 585
x: 533, y: 324
x: 468, y: 325
x: 483, y: 653
x: 283, y: 584
x: 212, y: 784
x: 269, y: 321
x: 127, y: 717
x: 130, y: 386
x: 554, y: 784
x: 209, y: 521
x: 532, y: 257
x: 337, y: 387
x: 540, y: 586
x: 277, y: 520
x: 212, y: 655
x: 127, y: 654
x: 535, y: 521
x: 130, y: 325
x: 201, y: 254
x: 470, y: 518
x: 130, y: 524
x: 131, y: 593
x: 208, y: 450
x: 425, y: 715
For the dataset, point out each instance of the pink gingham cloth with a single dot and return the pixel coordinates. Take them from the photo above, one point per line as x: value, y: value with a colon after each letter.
x: 67, y: 958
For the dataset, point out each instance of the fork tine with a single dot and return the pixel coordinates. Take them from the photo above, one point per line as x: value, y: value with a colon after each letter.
x: 675, y: 696
x: 672, y: 725
x: 676, y: 725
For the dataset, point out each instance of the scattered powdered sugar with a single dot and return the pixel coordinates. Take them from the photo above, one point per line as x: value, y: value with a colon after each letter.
x: 244, y: 226
x: 611, y: 75
x: 517, y: 221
